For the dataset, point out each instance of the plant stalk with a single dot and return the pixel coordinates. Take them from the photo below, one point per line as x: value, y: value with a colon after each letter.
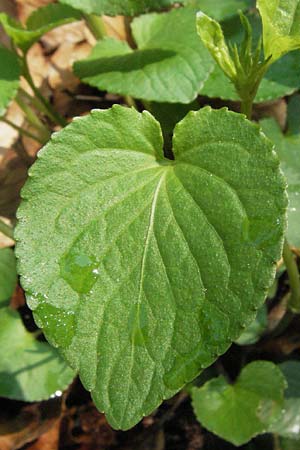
x: 22, y: 131
x: 96, y: 25
x: 247, y: 107
x: 130, y: 101
x: 6, y: 229
x: 33, y: 119
x: 293, y: 273
x: 45, y: 105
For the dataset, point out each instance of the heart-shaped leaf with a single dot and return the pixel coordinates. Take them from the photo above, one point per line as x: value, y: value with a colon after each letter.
x: 116, y: 7
x: 10, y: 72
x: 29, y: 370
x: 281, y: 26
x: 142, y: 269
x: 162, y: 69
x: 39, y: 22
x: 8, y: 275
x: 288, y: 150
x: 240, y: 411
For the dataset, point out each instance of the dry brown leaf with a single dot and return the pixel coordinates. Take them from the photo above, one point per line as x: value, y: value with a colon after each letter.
x: 13, y: 173
x: 39, y: 68
x: 61, y: 75
x: 116, y: 27
x: 18, y: 298
x: 71, y: 33
x: 31, y: 422
x: 48, y: 440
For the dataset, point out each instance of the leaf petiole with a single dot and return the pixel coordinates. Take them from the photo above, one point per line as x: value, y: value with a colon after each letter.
x: 293, y: 273
x: 96, y: 25
x: 44, y: 105
x: 32, y: 118
x: 22, y: 130
x: 6, y: 229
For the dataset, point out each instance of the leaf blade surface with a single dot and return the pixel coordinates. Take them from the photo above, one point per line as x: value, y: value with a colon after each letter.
x: 135, y: 285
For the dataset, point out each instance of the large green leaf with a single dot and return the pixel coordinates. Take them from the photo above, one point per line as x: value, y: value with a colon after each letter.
x: 220, y: 10
x: 282, y: 78
x: 238, y: 412
x: 142, y: 269
x: 40, y: 22
x: 288, y: 150
x: 10, y: 72
x: 8, y: 275
x: 281, y: 26
x: 162, y: 69
x: 113, y: 8
x: 29, y: 370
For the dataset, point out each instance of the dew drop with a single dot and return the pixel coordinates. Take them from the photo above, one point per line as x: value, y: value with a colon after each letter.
x: 79, y: 270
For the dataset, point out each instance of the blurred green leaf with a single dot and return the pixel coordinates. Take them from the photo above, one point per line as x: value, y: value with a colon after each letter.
x: 288, y: 149
x: 30, y: 370
x: 219, y: 10
x: 8, y: 275
x: 10, y: 72
x: 119, y: 7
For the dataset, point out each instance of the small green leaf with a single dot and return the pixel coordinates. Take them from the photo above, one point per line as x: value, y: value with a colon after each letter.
x: 8, y: 275
x: 212, y: 36
x: 288, y: 423
x: 281, y: 26
x: 219, y: 10
x: 29, y: 370
x: 143, y: 269
x: 40, y: 22
x: 253, y: 333
x: 240, y: 411
x: 10, y: 72
x: 162, y: 69
x: 288, y: 150
x: 116, y: 7
x: 274, y: 85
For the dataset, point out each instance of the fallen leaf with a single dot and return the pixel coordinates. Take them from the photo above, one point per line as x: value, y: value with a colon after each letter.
x: 13, y: 173
x: 29, y: 424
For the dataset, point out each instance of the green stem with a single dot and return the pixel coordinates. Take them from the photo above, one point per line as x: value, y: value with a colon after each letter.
x: 246, y: 107
x: 276, y: 441
x: 46, y: 106
x: 130, y: 101
x: 96, y: 25
x: 33, y: 119
x: 22, y: 131
x: 6, y: 229
x: 294, y: 279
